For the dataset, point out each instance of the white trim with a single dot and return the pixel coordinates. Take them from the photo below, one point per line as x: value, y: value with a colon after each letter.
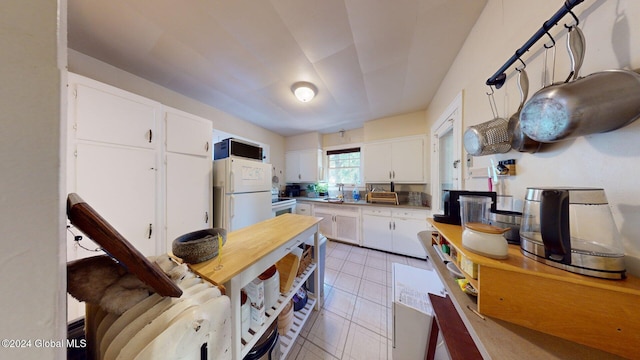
x: 451, y: 118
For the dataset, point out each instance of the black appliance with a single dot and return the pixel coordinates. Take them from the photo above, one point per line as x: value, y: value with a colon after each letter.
x: 234, y: 147
x: 292, y: 190
x: 452, y: 205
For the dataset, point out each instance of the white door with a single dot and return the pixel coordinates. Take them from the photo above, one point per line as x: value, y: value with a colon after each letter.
x: 188, y: 134
x: 120, y: 184
x: 309, y: 168
x: 326, y: 224
x: 189, y: 196
x: 347, y: 228
x: 247, y: 209
x: 292, y: 166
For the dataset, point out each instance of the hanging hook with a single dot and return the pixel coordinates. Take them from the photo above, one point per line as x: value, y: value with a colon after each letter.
x: 492, y: 102
x: 491, y: 93
x: 523, y: 65
x: 574, y: 18
x: 553, y: 41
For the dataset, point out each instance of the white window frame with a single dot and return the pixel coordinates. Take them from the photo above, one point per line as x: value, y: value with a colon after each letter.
x: 325, y: 158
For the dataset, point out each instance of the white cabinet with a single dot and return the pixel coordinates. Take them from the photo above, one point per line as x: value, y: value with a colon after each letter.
x: 188, y: 186
x: 339, y: 222
x: 376, y: 229
x: 303, y: 166
x: 399, y: 160
x: 113, y: 152
x: 394, y: 230
x: 303, y: 209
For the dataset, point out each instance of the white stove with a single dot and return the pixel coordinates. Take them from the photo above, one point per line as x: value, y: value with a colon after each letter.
x: 281, y: 206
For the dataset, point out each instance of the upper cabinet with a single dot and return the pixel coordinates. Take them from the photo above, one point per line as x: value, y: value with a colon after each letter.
x: 303, y: 166
x: 109, y: 115
x: 188, y: 134
x: 399, y: 160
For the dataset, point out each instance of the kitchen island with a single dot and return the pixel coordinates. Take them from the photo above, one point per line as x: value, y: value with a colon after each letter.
x: 529, y: 310
x: 247, y: 253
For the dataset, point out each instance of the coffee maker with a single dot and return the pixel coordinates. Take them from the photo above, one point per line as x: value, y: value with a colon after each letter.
x: 572, y: 229
x: 452, y: 205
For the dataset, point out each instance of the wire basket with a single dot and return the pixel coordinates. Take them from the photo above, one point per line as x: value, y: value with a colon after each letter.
x: 491, y: 137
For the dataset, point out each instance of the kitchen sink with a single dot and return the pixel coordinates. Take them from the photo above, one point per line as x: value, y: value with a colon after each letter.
x: 333, y: 200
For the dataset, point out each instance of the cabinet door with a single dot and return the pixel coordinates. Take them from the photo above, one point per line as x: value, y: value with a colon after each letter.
x: 408, y: 160
x: 292, y: 167
x: 376, y: 232
x: 377, y: 162
x: 405, y: 237
x: 188, y: 134
x: 347, y: 228
x: 303, y: 209
x: 189, y: 198
x: 111, y: 115
x: 120, y: 184
x: 309, y: 165
x: 326, y: 224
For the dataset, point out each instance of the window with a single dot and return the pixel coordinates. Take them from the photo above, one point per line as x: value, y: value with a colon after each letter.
x: 344, y: 166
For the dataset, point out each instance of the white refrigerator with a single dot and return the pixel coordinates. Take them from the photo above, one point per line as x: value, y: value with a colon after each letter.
x: 412, y: 312
x: 241, y: 192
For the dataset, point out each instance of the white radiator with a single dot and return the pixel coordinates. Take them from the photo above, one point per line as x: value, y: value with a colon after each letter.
x: 193, y: 326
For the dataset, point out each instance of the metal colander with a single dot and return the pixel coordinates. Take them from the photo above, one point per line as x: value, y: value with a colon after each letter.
x: 491, y: 137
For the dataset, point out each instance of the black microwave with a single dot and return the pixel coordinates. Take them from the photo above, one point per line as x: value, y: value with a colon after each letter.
x: 234, y: 147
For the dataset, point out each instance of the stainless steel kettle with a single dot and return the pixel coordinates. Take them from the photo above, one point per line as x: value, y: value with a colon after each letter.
x: 572, y: 229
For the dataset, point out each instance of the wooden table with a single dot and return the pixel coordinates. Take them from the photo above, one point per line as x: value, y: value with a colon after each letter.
x: 532, y: 310
x: 247, y: 253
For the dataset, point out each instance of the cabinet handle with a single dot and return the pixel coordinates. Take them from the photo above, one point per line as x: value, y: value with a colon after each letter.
x: 150, y: 135
x: 206, y: 217
x: 389, y: 225
x: 390, y: 175
x: 394, y: 225
x: 150, y: 230
x: 206, y: 146
x: 394, y: 174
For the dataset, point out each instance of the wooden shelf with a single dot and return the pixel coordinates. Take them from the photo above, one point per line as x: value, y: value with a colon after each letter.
x: 595, y: 312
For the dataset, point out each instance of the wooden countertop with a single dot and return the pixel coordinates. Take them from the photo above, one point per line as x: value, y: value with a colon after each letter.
x: 246, y: 246
x: 519, y: 263
x: 498, y: 339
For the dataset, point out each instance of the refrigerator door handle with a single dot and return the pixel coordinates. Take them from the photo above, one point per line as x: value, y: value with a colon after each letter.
x: 231, y: 182
x: 232, y: 199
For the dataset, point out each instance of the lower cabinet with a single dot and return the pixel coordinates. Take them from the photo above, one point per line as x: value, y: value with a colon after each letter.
x: 394, y: 230
x: 339, y: 222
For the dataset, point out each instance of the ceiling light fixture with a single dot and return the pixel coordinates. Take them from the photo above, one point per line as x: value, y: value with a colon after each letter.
x: 304, y: 91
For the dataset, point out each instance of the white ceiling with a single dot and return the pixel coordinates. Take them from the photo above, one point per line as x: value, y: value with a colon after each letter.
x: 368, y: 58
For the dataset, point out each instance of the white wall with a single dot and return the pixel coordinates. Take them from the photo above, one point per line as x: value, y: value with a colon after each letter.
x: 611, y: 160
x: 32, y: 196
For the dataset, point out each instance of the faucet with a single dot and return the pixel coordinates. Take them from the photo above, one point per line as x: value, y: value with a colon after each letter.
x: 340, y: 191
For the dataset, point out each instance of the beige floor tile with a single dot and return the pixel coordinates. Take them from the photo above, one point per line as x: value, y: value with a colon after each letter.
x: 371, y: 315
x: 373, y: 291
x: 377, y: 263
x: 348, y: 283
x: 333, y: 263
x: 363, y: 344
x: 304, y: 332
x: 330, y: 275
x: 329, y: 332
x: 310, y: 351
x: 375, y: 275
x: 419, y: 263
x: 341, y: 303
x: 377, y: 254
x: 340, y: 254
x: 343, y: 247
x: 357, y: 258
x: 358, y: 250
x: 352, y: 268
x: 393, y: 258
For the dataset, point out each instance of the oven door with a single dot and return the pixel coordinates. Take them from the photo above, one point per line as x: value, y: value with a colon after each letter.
x: 282, y: 207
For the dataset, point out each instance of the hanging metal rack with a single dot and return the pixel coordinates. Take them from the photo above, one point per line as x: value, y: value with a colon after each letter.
x: 500, y: 76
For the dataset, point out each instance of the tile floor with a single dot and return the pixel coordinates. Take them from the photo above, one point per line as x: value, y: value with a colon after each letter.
x: 355, y: 320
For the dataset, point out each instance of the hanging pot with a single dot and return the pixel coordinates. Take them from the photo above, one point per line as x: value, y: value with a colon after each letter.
x: 601, y: 102
x: 520, y: 141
